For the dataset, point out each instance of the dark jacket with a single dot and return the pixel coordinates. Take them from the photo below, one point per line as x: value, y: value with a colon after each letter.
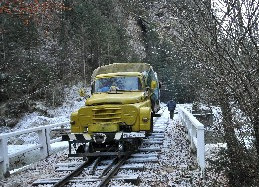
x: 171, y: 105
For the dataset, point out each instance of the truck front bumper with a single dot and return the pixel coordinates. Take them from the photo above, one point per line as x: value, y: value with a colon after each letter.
x: 102, y: 137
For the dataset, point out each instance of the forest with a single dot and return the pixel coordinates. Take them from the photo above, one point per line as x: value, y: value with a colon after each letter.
x: 203, y: 51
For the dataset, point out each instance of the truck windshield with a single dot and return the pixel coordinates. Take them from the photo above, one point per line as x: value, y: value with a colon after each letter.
x: 121, y: 83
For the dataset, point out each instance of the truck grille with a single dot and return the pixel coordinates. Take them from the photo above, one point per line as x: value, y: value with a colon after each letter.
x: 111, y: 114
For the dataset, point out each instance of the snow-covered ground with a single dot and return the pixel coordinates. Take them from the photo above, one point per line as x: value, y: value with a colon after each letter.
x: 176, y: 166
x: 72, y: 102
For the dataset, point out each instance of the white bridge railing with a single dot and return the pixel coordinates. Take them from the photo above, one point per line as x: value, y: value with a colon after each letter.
x: 43, y: 144
x: 195, y: 134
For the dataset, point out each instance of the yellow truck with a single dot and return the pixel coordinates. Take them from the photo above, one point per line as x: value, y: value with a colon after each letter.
x: 124, y: 99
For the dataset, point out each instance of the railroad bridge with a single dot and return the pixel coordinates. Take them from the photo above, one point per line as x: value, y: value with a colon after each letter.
x: 164, y: 158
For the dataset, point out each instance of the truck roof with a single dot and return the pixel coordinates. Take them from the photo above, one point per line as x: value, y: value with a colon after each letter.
x: 119, y: 74
x: 121, y: 67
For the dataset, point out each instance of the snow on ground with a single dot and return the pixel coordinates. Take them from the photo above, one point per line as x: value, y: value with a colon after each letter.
x: 175, y: 160
x: 72, y: 102
x: 13, y: 149
x: 176, y: 166
x: 214, y: 175
x: 217, y: 119
x: 243, y: 129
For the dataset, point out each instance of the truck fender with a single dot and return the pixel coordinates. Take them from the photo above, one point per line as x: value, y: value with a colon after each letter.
x: 145, y: 118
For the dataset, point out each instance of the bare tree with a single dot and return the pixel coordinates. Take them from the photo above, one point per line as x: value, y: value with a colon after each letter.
x: 223, y: 39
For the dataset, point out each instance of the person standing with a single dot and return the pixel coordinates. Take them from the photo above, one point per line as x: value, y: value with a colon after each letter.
x: 171, y: 107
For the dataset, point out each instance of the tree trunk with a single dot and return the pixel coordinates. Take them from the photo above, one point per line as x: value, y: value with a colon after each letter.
x: 255, y: 123
x: 239, y: 167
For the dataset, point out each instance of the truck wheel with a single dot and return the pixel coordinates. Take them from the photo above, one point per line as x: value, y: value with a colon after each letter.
x: 85, y: 149
x: 81, y: 149
x: 90, y: 148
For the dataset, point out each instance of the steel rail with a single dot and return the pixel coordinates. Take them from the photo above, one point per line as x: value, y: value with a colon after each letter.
x: 114, y: 170
x: 96, y: 162
x: 74, y: 173
x: 108, y: 168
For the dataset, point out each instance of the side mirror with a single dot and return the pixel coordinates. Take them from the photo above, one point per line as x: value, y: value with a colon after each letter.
x: 153, y: 85
x: 81, y: 92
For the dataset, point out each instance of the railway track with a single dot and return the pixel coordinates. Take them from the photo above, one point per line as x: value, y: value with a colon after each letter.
x: 100, y: 170
x: 103, y: 178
